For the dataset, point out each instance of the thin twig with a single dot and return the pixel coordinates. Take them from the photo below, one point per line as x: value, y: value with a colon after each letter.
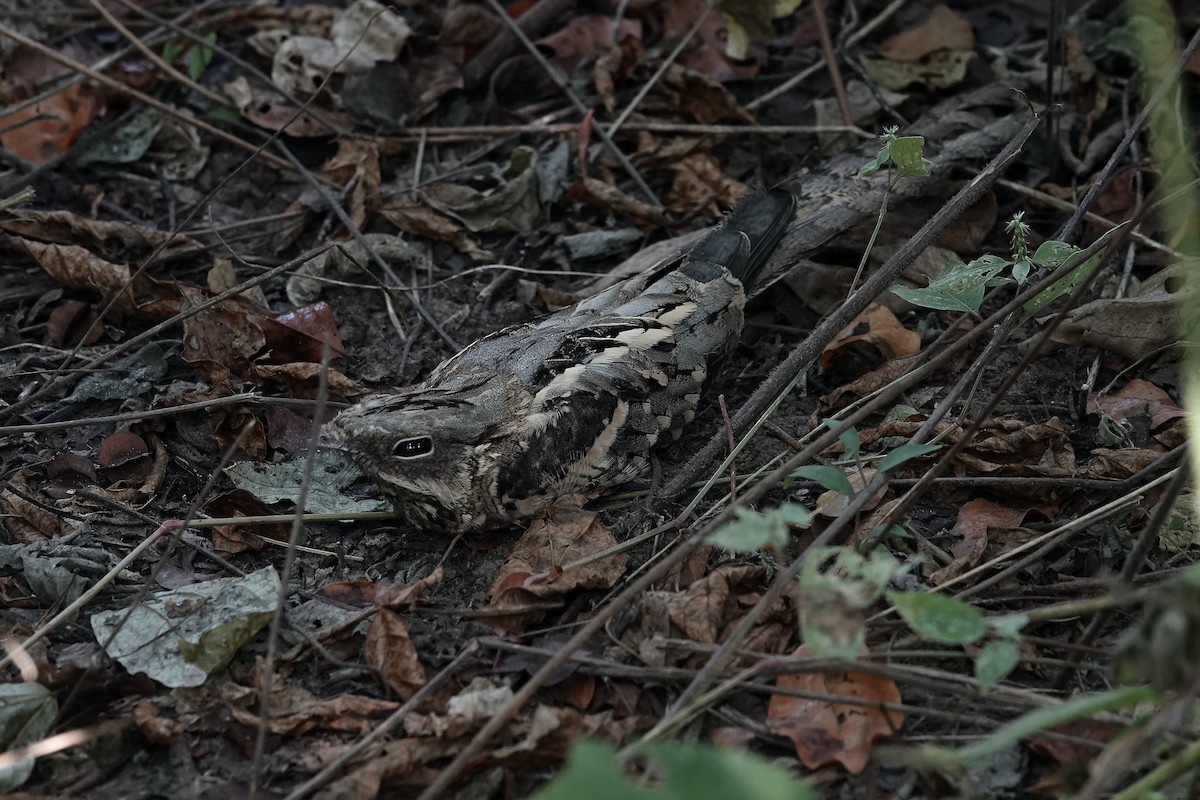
x: 732, y: 448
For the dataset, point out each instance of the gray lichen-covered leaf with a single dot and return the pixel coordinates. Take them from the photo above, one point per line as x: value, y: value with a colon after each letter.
x: 181, y: 637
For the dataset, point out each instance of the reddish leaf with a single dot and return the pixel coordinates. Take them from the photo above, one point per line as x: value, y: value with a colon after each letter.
x: 70, y: 320
x: 299, y: 334
x: 583, y: 36
x: 390, y: 649
x: 124, y: 456
x: 533, y: 571
x: 825, y: 731
x: 943, y: 29
x: 873, y: 338
x: 68, y: 472
x: 976, y: 520
x: 1138, y: 398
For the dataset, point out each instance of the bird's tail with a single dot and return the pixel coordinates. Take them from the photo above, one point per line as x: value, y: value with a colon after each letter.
x: 745, y: 241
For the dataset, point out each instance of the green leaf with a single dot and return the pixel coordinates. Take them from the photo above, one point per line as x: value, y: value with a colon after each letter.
x: 906, y: 452
x: 760, y: 530
x: 848, y: 438
x: 1063, y: 286
x: 836, y: 584
x: 1008, y: 626
x: 1053, y: 253
x: 1021, y: 269
x: 995, y: 661
x: 939, y: 618
x: 687, y: 772
x: 200, y: 57
x: 171, y: 50
x: 223, y: 114
x: 900, y: 412
x: 876, y: 534
x: 906, y: 155
x: 27, y: 714
x: 829, y: 477
x: 882, y: 157
x: 959, y: 288
x: 858, y: 579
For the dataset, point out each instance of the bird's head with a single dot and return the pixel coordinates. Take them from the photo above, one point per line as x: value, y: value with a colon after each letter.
x: 427, y: 450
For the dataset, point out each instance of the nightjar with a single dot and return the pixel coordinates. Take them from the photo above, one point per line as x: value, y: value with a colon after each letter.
x: 570, y: 404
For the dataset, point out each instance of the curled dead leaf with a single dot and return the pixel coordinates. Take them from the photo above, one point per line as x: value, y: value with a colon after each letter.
x: 125, y: 458
x: 70, y: 321
x: 389, y: 648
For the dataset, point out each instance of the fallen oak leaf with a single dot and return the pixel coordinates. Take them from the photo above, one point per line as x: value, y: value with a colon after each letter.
x: 825, y: 731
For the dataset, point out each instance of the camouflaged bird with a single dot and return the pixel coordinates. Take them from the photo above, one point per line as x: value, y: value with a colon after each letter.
x: 570, y: 404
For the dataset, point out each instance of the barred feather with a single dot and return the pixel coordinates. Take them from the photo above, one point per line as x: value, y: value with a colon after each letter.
x: 571, y: 404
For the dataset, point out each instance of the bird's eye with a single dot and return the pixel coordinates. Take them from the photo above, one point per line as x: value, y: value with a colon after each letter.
x: 415, y: 447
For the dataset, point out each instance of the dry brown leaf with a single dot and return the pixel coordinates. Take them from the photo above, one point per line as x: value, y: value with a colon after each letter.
x: 29, y: 522
x: 234, y: 538
x: 534, y: 569
x: 46, y: 129
x: 706, y: 56
x: 1138, y: 398
x: 77, y: 268
x: 1133, y: 327
x: 421, y: 220
x: 977, y: 520
x: 873, y: 338
x: 267, y: 110
x: 356, y: 160
x: 706, y: 608
x: 943, y: 29
x: 606, y: 197
x: 70, y: 320
x: 577, y: 690
x: 583, y: 36
x: 302, y: 378
x: 825, y: 731
x: 701, y: 99
x: 116, y: 241
x: 938, y: 70
x: 300, y: 335
x: 1002, y: 446
x: 1120, y: 464
x: 831, y: 503
x: 156, y: 728
x: 966, y: 234
x: 68, y: 473
x: 615, y: 68
x: 125, y: 457
x: 389, y: 648
x: 699, y: 185
x: 397, y: 595
x: 296, y: 711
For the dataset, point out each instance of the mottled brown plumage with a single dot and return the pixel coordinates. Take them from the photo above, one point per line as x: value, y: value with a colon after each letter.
x: 570, y: 404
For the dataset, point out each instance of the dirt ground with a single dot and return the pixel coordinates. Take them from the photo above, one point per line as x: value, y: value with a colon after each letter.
x: 168, y: 290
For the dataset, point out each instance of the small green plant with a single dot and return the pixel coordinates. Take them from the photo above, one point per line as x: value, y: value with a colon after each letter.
x: 903, y: 157
x: 753, y: 530
x: 198, y: 56
x: 947, y: 620
x: 961, y: 286
x: 674, y: 771
x: 837, y: 586
x: 902, y: 153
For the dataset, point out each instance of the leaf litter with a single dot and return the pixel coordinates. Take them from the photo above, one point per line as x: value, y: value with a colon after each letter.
x: 449, y: 148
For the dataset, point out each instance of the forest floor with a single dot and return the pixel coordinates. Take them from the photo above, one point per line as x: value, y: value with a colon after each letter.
x: 951, y: 557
